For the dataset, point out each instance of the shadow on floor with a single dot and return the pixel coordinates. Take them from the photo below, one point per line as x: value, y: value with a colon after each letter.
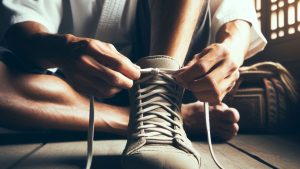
x: 51, y: 137
x: 110, y: 161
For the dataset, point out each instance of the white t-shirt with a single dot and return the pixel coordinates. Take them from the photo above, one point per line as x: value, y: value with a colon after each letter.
x: 113, y: 20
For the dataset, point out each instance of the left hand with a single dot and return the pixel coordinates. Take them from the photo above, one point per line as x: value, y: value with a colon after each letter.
x: 211, y: 74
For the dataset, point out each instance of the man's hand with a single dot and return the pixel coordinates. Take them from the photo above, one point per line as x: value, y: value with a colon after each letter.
x: 211, y: 74
x: 90, y: 66
x: 96, y: 68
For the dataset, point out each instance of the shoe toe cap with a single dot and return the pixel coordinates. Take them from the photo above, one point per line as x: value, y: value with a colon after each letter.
x: 160, y: 158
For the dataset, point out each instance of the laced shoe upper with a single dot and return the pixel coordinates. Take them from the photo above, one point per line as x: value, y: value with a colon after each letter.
x: 155, y: 118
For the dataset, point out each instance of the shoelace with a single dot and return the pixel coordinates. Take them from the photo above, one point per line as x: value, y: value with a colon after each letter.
x: 157, y: 84
x: 167, y: 75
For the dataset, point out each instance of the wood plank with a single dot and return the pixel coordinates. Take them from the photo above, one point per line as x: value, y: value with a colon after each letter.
x: 11, y: 155
x: 72, y: 155
x: 280, y: 151
x: 227, y: 156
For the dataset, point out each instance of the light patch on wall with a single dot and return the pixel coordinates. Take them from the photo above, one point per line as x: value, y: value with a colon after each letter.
x: 292, y: 30
x: 291, y: 15
x: 281, y: 18
x: 291, y: 1
x: 273, y: 35
x: 258, y: 5
x: 273, y: 21
x: 281, y: 4
x: 274, y: 7
x: 281, y: 33
x: 298, y: 9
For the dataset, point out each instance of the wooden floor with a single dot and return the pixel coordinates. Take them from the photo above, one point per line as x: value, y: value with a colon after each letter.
x: 68, y: 151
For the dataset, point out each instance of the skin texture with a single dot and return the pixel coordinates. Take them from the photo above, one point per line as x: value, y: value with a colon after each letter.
x: 211, y: 74
x: 86, y: 63
x: 63, y: 105
x: 172, y: 35
x: 51, y: 108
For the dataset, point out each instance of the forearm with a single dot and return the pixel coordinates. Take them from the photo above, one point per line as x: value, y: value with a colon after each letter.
x: 34, y: 45
x: 235, y: 35
x: 172, y: 26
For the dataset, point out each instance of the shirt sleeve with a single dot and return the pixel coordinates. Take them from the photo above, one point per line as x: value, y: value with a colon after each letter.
x: 46, y: 12
x: 229, y: 10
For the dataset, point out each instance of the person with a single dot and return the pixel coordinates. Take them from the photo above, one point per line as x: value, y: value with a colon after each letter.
x: 90, y: 42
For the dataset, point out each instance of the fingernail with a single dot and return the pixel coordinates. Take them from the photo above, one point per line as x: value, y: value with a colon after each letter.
x: 137, y: 66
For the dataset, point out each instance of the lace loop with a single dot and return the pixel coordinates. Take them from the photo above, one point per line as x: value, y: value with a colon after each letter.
x: 158, y: 94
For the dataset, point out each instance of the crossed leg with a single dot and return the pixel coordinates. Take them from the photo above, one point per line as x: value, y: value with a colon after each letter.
x: 46, y: 102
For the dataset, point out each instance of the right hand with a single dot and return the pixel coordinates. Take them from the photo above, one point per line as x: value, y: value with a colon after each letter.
x: 96, y: 68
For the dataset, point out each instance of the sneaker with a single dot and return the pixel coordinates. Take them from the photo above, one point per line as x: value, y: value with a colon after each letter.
x: 156, y: 138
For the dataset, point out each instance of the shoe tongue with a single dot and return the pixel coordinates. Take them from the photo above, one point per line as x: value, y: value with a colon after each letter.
x: 163, y: 63
x: 159, y: 61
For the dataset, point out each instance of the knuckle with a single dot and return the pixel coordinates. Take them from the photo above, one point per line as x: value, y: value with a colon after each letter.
x: 234, y: 66
x: 68, y: 37
x: 225, y: 51
x: 115, y: 81
x: 109, y: 45
x: 117, y: 64
x: 202, y: 66
x: 214, y: 85
x: 217, y: 46
x: 90, y: 43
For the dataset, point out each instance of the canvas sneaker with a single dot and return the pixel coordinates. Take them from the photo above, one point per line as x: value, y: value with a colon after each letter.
x: 156, y: 138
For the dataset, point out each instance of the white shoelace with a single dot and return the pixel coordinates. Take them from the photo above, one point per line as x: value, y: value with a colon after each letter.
x: 90, y: 134
x: 149, y: 101
x: 155, y: 129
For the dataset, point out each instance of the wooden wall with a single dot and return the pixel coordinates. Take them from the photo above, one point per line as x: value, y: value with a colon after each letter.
x: 280, y: 23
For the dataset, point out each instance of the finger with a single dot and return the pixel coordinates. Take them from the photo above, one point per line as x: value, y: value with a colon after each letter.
x: 103, y: 87
x: 93, y: 86
x: 220, y: 107
x: 215, y: 81
x: 209, y: 96
x: 199, y: 66
x: 110, y: 76
x: 204, y: 84
x: 210, y: 82
x: 224, y: 70
x: 229, y: 82
x: 108, y: 55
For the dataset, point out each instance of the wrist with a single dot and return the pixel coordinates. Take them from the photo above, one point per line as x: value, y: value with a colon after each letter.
x: 235, y: 52
x: 235, y: 36
x: 46, y: 50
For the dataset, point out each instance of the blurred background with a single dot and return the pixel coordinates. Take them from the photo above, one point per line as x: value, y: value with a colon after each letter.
x: 280, y: 23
